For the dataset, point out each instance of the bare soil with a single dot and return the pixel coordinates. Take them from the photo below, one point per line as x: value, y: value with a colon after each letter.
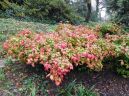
x: 106, y: 82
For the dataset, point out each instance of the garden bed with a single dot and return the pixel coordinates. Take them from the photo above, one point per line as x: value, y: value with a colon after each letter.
x: 45, y: 61
x: 105, y: 83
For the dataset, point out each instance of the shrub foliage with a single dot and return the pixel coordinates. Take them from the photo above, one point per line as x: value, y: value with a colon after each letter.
x: 57, y: 10
x: 70, y: 46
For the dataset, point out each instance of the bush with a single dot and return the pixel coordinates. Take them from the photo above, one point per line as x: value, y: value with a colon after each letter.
x: 108, y: 28
x: 12, y: 9
x: 57, y: 10
x: 122, y: 48
x: 68, y: 47
x: 118, y: 9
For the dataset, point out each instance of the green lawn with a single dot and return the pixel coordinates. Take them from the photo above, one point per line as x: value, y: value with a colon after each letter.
x: 12, y: 26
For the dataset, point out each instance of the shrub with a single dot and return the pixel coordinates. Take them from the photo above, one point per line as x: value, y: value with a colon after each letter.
x: 57, y: 10
x: 108, y: 28
x: 12, y: 9
x: 122, y: 57
x: 61, y: 51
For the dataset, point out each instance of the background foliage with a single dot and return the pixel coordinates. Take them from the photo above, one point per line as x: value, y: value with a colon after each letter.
x: 119, y: 9
x: 57, y: 10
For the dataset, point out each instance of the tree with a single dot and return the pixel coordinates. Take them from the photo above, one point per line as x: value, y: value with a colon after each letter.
x: 97, y: 7
x: 120, y: 10
x: 67, y: 1
x: 89, y: 9
x: 57, y: 10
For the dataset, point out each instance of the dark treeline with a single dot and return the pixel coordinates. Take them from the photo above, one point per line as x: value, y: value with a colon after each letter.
x: 67, y: 10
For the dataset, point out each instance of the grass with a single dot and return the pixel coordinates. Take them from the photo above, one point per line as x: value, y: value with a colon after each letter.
x: 11, y: 26
x: 75, y: 89
x: 2, y: 74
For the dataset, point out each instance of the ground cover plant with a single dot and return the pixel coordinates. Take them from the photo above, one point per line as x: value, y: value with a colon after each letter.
x: 70, y: 46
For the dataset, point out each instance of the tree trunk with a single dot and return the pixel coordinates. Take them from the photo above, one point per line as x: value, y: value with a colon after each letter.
x: 89, y: 9
x: 67, y: 1
x: 97, y: 8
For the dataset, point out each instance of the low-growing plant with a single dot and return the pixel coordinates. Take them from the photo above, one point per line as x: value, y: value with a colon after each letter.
x: 108, y: 28
x: 74, y: 89
x: 61, y: 51
x: 121, y: 61
x: 82, y: 91
x: 2, y: 74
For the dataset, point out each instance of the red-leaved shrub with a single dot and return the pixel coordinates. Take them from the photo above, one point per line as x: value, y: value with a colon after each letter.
x: 59, y: 52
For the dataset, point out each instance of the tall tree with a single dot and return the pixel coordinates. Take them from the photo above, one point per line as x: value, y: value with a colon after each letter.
x: 97, y: 7
x: 120, y: 10
x: 67, y: 1
x: 89, y: 9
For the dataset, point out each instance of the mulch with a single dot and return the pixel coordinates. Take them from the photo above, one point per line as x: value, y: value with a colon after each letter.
x: 106, y: 82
